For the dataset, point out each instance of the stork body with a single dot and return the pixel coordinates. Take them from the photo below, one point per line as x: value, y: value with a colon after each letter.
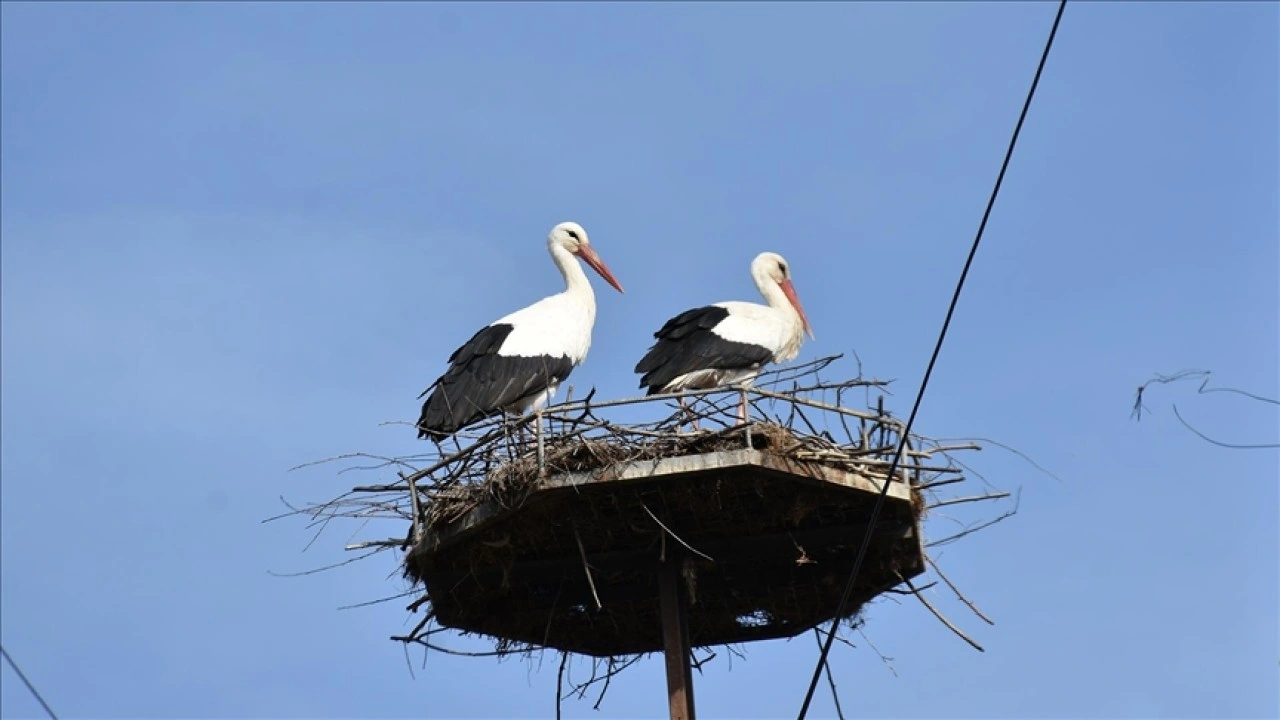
x: 728, y: 343
x: 516, y: 364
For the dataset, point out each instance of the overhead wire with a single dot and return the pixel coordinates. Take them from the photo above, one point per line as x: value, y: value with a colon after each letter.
x: 906, y: 432
x: 23, y: 677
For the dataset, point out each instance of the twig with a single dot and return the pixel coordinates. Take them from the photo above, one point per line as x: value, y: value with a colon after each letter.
x: 586, y: 567
x: 672, y: 534
x: 830, y: 408
x: 1001, y: 445
x: 408, y: 664
x: 888, y: 661
x: 970, y: 498
x: 564, y: 658
x: 896, y: 591
x: 975, y: 528
x: 379, y: 601
x: 417, y: 634
x: 348, y: 561
x: 414, y: 634
x: 366, y: 544
x: 785, y: 374
x: 944, y: 449
x: 939, y: 483
x: 956, y: 590
x: 835, y: 696
x: 417, y: 508
x: 460, y: 653
x: 846, y: 642
x: 1219, y: 443
x: 350, y: 456
x: 613, y: 666
x: 1204, y: 388
x: 696, y: 663
x: 609, y: 677
x: 939, y: 615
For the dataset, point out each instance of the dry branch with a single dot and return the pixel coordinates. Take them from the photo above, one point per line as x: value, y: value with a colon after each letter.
x: 941, y: 617
x: 831, y: 681
x: 678, y: 539
x: 586, y: 567
x: 969, y: 499
x: 956, y: 590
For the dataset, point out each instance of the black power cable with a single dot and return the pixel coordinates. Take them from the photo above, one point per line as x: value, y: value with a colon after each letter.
x: 906, y: 432
x: 22, y: 676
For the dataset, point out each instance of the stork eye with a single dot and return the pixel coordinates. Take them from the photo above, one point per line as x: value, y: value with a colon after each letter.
x: 574, y: 234
x: 782, y: 268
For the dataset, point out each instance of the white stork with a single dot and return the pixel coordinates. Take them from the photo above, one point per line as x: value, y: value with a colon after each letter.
x: 517, y: 363
x: 728, y: 343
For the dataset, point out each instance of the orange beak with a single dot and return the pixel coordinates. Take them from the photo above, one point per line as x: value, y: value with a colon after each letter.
x: 589, y: 256
x: 789, y: 290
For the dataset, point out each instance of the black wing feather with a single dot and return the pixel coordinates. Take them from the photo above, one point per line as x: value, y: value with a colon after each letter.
x: 686, y: 344
x: 480, y: 382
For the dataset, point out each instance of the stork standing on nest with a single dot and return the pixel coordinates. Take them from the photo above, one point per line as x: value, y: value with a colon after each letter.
x: 728, y: 343
x: 516, y: 364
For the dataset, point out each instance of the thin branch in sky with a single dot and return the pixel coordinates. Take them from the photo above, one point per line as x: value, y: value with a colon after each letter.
x: 835, y: 696
x: 564, y: 659
x: 951, y: 626
x: 1204, y: 389
x: 956, y: 590
x: 1219, y: 443
x: 1013, y: 450
x: 888, y: 661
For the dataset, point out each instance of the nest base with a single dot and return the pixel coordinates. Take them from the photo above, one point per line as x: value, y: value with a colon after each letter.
x: 768, y: 543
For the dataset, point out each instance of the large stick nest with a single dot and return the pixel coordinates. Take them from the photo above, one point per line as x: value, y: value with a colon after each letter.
x: 501, y: 469
x: 565, y: 553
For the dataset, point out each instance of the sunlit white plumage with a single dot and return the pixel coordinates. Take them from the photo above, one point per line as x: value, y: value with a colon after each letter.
x: 728, y: 343
x: 516, y: 363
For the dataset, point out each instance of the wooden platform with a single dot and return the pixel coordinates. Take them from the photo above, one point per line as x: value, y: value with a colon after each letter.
x: 772, y: 541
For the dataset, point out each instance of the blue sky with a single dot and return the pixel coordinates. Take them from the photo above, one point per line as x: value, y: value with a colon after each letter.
x: 236, y: 237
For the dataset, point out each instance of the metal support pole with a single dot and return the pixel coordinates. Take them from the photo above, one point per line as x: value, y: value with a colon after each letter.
x: 675, y: 636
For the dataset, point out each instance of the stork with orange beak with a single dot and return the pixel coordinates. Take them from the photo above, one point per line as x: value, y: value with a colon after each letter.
x: 516, y: 364
x: 729, y: 343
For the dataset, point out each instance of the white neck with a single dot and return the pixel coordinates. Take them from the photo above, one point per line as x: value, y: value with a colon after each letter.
x: 773, y: 295
x: 778, y: 301
x: 575, y: 280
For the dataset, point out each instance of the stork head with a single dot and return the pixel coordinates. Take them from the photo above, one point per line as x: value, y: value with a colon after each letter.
x: 773, y: 268
x: 571, y: 237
